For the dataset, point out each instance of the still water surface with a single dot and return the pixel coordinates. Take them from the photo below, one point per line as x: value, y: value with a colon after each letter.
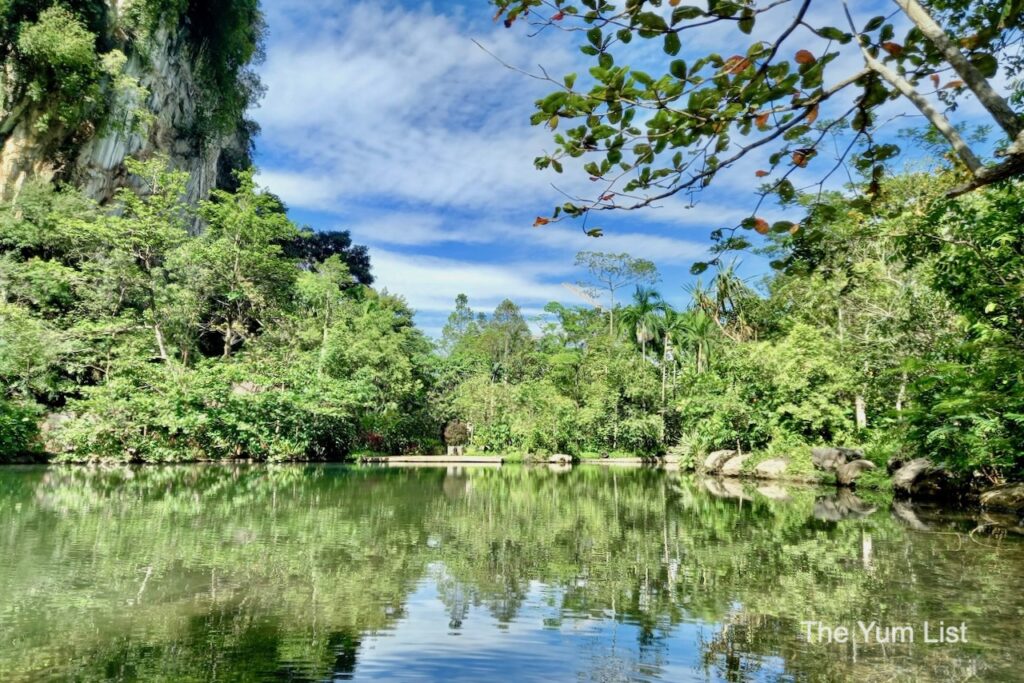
x: 312, y: 573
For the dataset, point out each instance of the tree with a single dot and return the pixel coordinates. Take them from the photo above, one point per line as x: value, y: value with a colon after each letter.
x: 611, y: 272
x: 646, y: 137
x: 310, y: 247
x: 641, y: 319
x: 150, y: 225
x: 237, y: 264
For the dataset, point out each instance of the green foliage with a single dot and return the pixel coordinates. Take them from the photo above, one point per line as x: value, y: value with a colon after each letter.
x: 60, y: 61
x: 19, y: 428
x: 971, y: 406
x: 671, y: 127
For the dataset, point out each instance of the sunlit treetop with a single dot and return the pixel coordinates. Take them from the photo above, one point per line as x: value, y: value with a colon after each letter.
x: 780, y: 81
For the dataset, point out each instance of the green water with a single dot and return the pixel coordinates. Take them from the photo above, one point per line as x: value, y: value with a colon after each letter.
x: 250, y: 573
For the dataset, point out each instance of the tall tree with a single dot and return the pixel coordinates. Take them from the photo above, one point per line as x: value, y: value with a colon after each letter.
x: 611, y: 272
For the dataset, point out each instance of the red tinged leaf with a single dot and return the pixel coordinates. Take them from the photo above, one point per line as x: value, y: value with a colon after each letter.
x: 762, y: 120
x: 935, y: 80
x: 736, y: 64
x: 558, y: 17
x: 895, y: 49
x: 805, y: 57
x: 812, y: 114
x: 540, y: 221
x: 802, y: 156
x: 607, y: 197
x: 761, y: 174
x: 953, y: 84
x: 761, y: 226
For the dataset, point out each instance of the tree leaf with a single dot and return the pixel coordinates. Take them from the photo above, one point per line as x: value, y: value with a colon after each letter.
x: 672, y: 43
x: 805, y: 57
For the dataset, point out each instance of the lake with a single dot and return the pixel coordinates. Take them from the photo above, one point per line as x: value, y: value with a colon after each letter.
x: 313, y: 573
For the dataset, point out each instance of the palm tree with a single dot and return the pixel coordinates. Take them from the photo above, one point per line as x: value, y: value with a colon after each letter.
x: 641, y: 319
x: 673, y: 340
x: 699, y: 337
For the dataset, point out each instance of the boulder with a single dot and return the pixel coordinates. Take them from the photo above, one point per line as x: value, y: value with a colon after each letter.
x: 733, y: 467
x: 771, y: 469
x: 829, y: 458
x: 895, y: 462
x: 713, y: 463
x: 921, y: 478
x: 1008, y: 497
x: 847, y: 474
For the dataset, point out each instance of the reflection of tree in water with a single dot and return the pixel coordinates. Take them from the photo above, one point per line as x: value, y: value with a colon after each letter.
x: 283, y: 570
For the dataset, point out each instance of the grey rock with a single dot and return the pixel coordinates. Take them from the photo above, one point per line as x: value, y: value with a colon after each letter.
x: 1006, y: 497
x: 713, y: 463
x: 847, y: 474
x: 771, y: 469
x: 894, y: 464
x: 733, y: 467
x: 921, y: 478
x: 827, y: 459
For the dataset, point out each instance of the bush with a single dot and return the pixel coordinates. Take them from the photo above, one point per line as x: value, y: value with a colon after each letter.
x: 19, y: 428
x: 456, y: 434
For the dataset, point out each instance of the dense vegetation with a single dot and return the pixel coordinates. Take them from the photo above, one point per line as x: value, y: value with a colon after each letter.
x: 251, y: 340
x: 896, y: 327
x: 67, y: 58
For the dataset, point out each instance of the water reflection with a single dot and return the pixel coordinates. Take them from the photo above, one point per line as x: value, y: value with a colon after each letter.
x: 319, y: 573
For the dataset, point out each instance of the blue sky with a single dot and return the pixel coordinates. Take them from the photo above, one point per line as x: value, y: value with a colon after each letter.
x: 385, y: 119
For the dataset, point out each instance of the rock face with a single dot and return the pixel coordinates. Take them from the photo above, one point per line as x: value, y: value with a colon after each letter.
x: 733, y: 467
x: 713, y: 463
x: 921, y: 478
x: 771, y: 469
x: 847, y: 473
x: 828, y: 458
x: 92, y: 156
x: 1008, y: 497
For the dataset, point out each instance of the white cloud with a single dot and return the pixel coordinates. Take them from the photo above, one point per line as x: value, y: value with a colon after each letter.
x: 430, y: 283
x: 370, y: 102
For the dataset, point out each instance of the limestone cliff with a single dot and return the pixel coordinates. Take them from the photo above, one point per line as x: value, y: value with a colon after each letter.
x: 151, y: 92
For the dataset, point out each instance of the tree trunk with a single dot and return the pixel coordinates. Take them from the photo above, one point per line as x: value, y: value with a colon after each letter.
x: 664, y: 374
x: 860, y: 407
x: 901, y: 395
x: 161, y: 346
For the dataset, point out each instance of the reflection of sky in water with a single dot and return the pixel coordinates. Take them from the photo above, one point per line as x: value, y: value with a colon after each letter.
x: 317, y: 573
x: 544, y: 642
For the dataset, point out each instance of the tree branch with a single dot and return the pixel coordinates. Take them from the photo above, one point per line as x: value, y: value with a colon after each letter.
x: 989, y: 98
x: 923, y: 105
